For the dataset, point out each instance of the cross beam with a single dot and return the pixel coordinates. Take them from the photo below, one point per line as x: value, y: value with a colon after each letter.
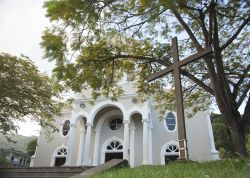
x: 175, y: 67
x: 180, y: 63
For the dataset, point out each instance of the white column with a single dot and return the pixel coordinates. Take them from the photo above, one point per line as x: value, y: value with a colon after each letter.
x: 149, y: 106
x: 70, y: 145
x: 145, y: 142
x: 126, y: 140
x: 132, y: 147
x: 214, y: 152
x: 150, y: 146
x: 87, y: 145
x: 81, y: 147
x: 96, y: 148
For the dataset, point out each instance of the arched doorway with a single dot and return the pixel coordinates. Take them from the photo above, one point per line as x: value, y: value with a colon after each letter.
x: 169, y: 152
x: 112, y: 149
x: 108, y: 126
x: 59, y: 156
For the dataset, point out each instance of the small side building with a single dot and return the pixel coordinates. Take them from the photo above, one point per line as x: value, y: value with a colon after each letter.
x: 16, y: 158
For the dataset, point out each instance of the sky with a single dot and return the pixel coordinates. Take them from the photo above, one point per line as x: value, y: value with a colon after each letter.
x: 21, y: 26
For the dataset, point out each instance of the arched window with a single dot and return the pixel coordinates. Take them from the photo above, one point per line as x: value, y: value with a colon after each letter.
x: 60, y: 157
x: 62, y: 152
x: 115, y: 146
x: 66, y: 128
x: 169, y: 152
x: 170, y: 121
x: 114, y: 151
x: 172, y: 149
x: 115, y: 124
x: 172, y: 153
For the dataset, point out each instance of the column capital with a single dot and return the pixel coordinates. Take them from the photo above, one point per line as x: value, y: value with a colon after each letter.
x: 89, y: 124
x: 126, y: 121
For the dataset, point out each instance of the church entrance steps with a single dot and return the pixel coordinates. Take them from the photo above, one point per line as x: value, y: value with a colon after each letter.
x: 42, y: 172
x: 114, y: 163
x: 60, y: 172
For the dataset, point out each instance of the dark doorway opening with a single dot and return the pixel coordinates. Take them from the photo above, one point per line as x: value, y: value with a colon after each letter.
x: 169, y: 158
x: 60, y: 161
x: 109, y: 156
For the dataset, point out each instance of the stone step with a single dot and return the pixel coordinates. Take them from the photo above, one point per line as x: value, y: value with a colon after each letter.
x: 42, y: 172
x: 114, y: 163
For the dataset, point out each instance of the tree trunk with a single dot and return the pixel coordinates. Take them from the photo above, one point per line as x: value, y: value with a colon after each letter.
x: 220, y: 85
x: 223, y: 94
x: 236, y: 135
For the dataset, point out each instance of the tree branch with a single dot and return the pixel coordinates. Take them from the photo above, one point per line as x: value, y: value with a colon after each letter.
x: 210, y: 22
x: 230, y: 40
x: 188, y: 30
x: 244, y: 93
x: 143, y: 58
x: 197, y: 81
x: 240, y: 81
x: 145, y: 21
x: 165, y: 63
x: 204, y: 29
x: 190, y: 8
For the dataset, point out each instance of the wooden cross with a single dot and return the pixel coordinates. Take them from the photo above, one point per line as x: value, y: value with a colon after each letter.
x: 175, y: 67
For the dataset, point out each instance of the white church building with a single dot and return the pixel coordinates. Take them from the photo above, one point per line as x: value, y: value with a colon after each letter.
x: 126, y: 128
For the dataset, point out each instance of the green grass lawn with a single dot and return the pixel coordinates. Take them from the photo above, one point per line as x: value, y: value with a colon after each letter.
x: 235, y: 168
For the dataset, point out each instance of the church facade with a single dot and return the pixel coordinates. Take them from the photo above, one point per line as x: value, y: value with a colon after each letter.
x: 126, y: 128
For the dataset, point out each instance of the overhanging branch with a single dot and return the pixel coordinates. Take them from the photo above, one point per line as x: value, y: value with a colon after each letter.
x: 243, y: 95
x: 240, y: 81
x: 188, y: 30
x: 197, y: 81
x: 230, y: 40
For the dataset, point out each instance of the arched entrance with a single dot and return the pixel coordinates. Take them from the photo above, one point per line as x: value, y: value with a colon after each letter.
x: 59, y: 156
x: 109, y: 127
x: 169, y: 152
x: 114, y: 151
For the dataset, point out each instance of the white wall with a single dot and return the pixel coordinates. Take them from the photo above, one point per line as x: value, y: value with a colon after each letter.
x: 197, y: 135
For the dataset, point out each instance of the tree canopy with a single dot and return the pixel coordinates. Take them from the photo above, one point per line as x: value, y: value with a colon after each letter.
x: 25, y: 93
x: 31, y: 147
x: 95, y: 42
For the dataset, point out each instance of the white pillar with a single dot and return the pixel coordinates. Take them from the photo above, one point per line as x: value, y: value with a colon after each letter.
x: 150, y: 126
x: 70, y: 145
x: 81, y: 147
x: 96, y: 148
x: 87, y: 145
x: 145, y: 142
x: 132, y: 147
x: 214, y: 152
x: 126, y: 140
x: 150, y: 146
